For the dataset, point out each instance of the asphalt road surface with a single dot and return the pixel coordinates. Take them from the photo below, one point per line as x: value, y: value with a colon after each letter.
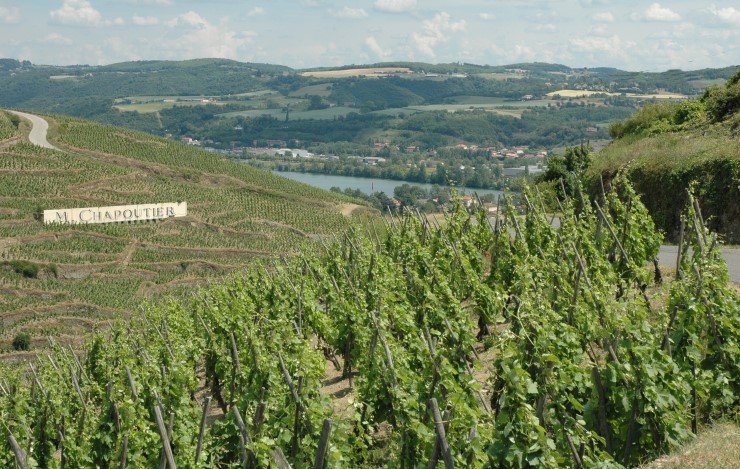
x: 39, y: 129
x: 667, y: 257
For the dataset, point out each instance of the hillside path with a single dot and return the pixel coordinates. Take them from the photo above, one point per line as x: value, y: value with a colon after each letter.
x: 39, y: 129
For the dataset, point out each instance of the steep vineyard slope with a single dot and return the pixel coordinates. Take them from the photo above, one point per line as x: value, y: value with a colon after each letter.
x: 62, y: 279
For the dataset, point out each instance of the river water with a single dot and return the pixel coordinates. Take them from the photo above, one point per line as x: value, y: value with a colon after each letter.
x: 366, y: 185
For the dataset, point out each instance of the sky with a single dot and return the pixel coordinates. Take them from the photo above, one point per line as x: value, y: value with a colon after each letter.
x: 628, y: 34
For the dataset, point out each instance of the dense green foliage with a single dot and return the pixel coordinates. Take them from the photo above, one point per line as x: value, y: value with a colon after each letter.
x: 569, y: 168
x: 722, y: 103
x: 587, y: 369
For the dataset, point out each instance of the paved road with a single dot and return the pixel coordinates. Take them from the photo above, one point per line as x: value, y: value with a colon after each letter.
x: 39, y: 129
x: 667, y: 257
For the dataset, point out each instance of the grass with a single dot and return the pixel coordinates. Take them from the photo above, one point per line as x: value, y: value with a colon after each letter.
x: 715, y: 448
x: 323, y: 90
x: 320, y: 114
x: 662, y: 168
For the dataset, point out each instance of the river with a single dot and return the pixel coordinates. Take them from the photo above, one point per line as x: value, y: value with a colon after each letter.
x: 366, y: 185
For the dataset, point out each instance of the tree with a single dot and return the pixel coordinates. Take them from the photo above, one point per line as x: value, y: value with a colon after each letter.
x: 407, y: 194
x: 568, y: 167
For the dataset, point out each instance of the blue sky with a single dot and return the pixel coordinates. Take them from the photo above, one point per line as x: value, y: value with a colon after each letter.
x: 628, y: 34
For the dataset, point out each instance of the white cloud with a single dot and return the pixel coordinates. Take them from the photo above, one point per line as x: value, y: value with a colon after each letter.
x: 205, y: 39
x: 436, y: 31
x: 77, y: 12
x: 151, y: 2
x: 56, y: 38
x: 256, y: 11
x: 612, y: 45
x: 121, y: 49
x: 193, y: 19
x: 313, y: 3
x: 395, y: 6
x: 516, y: 53
x: 656, y: 12
x: 350, y: 13
x: 10, y: 15
x: 603, y: 17
x: 487, y: 16
x: 145, y: 20
x: 376, y: 48
x: 727, y: 15
x: 548, y: 28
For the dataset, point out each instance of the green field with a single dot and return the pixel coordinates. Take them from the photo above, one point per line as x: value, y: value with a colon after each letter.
x: 323, y: 90
x: 320, y: 114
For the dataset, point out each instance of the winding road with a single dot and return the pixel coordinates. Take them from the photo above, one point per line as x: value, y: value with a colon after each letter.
x: 39, y: 129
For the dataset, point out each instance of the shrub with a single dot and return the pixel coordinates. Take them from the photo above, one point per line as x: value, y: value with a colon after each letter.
x: 25, y: 268
x: 22, y: 341
x: 721, y: 103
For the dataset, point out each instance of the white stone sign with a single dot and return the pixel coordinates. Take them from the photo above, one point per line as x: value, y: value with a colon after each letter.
x: 116, y: 214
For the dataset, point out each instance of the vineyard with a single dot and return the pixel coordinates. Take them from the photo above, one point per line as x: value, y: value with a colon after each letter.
x: 470, y: 343
x: 67, y: 280
x: 8, y: 129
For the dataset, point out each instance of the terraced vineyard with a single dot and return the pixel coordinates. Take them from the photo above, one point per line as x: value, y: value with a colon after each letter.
x: 66, y: 279
x: 507, y: 344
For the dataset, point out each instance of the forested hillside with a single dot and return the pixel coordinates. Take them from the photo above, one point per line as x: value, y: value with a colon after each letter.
x: 222, y: 101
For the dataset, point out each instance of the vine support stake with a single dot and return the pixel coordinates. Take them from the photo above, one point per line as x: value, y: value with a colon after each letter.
x: 199, y: 447
x: 280, y: 460
x: 124, y: 451
x: 437, y: 444
x: 323, y: 445
x: 170, y: 425
x: 163, y: 435
x: 604, y: 430
x: 439, y: 425
x: 244, y: 438
x: 131, y: 383
x: 293, y: 390
x: 20, y: 455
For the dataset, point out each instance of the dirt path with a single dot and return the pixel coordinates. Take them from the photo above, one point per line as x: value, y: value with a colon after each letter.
x: 39, y: 129
x: 128, y: 253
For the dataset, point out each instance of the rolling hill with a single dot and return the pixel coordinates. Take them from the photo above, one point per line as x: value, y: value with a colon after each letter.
x: 64, y: 279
